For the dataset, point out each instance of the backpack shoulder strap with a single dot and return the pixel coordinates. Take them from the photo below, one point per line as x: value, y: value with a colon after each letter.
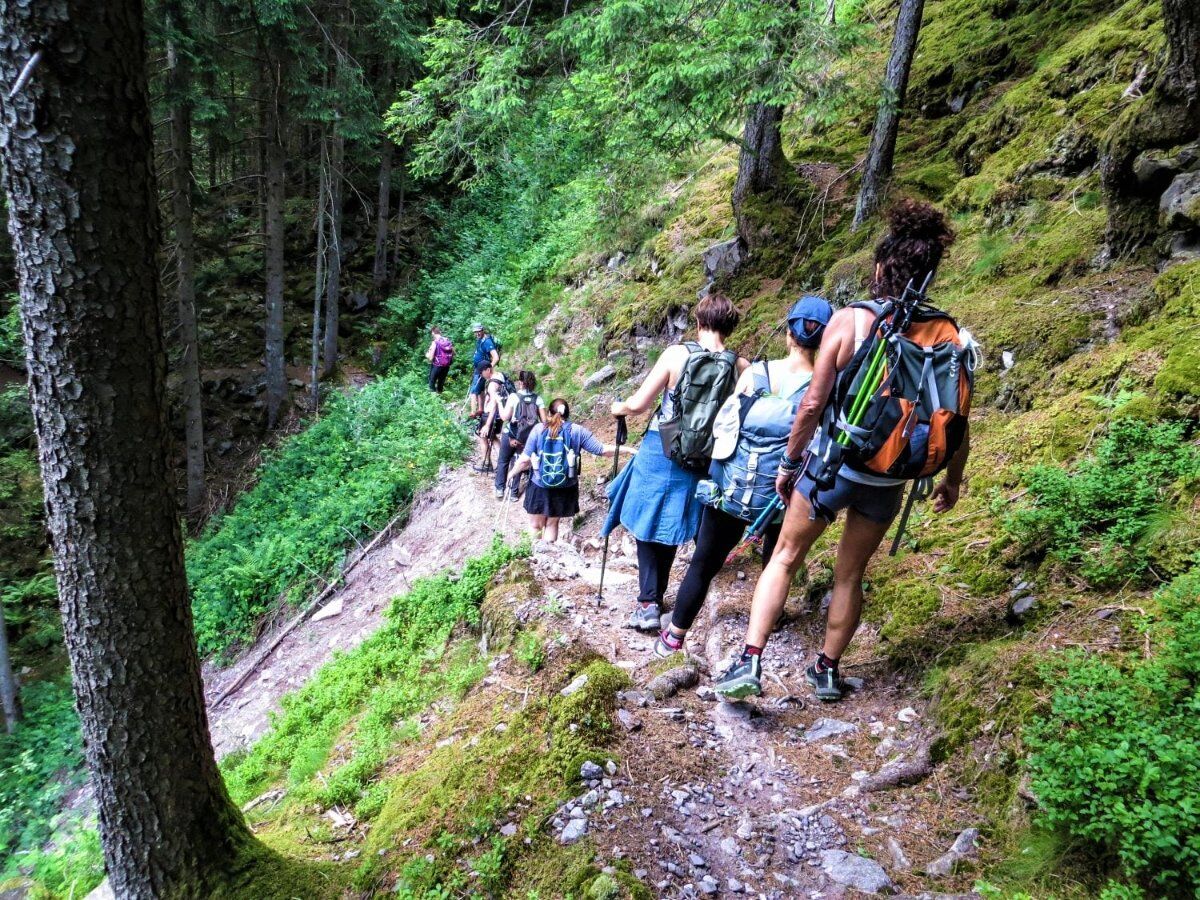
x: 762, y: 376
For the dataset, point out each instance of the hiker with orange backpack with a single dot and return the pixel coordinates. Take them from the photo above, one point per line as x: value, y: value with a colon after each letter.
x: 888, y: 404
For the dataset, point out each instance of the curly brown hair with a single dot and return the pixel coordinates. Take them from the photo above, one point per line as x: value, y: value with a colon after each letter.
x: 917, y: 236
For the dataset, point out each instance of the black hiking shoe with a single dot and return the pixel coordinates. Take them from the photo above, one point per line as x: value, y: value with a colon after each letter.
x: 484, y: 469
x: 827, y: 685
x: 742, y: 679
x: 646, y: 617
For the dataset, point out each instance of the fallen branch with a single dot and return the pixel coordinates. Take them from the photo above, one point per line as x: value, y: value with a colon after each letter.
x: 304, y: 614
x: 904, y: 771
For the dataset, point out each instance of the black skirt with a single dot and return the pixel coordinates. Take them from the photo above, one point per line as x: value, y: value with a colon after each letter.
x: 557, y: 503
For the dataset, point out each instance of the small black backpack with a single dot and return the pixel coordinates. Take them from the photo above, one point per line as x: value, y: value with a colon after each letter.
x: 525, y: 417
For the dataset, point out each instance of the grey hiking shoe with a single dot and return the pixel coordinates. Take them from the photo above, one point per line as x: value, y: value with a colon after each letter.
x: 827, y: 685
x: 742, y: 679
x: 646, y: 617
x: 499, y: 494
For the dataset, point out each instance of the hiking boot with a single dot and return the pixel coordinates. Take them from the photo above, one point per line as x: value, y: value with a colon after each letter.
x: 499, y: 494
x: 485, y: 469
x: 646, y: 617
x: 827, y: 685
x: 742, y: 679
x: 515, y: 498
x: 667, y: 644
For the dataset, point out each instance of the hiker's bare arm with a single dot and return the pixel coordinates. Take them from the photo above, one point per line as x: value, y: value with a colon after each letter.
x: 506, y: 412
x: 829, y: 361
x: 429, y: 352
x: 659, y: 377
x: 742, y: 365
x: 745, y: 383
x: 522, y: 465
x: 495, y: 354
x: 945, y: 495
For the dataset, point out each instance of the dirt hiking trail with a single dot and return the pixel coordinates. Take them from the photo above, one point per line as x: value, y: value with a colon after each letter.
x: 777, y: 797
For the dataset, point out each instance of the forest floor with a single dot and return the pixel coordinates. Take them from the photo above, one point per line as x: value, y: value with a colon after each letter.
x: 761, y: 797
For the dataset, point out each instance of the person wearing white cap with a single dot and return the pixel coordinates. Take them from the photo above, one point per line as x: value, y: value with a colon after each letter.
x: 723, y: 523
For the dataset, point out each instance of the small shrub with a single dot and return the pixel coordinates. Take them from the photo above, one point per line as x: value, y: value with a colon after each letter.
x: 531, y: 651
x: 1114, y: 762
x: 1094, y: 517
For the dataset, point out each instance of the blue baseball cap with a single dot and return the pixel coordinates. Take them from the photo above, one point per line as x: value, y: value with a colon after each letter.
x: 807, y: 310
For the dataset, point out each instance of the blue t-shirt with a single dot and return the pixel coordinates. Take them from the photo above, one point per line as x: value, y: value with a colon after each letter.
x: 483, y: 349
x: 577, y: 439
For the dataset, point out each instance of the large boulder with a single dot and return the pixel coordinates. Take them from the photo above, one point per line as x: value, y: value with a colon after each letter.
x: 1179, y: 207
x: 723, y: 258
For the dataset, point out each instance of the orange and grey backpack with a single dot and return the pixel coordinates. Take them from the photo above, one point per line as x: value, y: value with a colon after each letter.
x: 905, y: 416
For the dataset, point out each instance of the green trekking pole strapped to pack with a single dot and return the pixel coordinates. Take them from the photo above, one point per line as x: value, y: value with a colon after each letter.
x: 622, y: 437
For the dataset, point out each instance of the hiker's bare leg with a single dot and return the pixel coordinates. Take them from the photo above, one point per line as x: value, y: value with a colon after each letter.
x: 799, y: 533
x: 536, y: 525
x: 551, y: 529
x: 860, y: 540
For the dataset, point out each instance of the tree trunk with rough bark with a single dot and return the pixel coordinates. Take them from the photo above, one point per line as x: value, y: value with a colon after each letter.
x: 274, y: 187
x: 178, y: 76
x: 322, y: 226
x: 78, y: 145
x: 1169, y: 115
x: 761, y: 167
x: 877, y: 168
x: 333, y: 272
x: 397, y: 242
x: 10, y: 700
x: 379, y: 276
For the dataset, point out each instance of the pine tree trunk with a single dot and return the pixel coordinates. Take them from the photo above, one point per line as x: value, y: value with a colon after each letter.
x: 761, y: 164
x: 333, y: 275
x: 10, y: 700
x: 877, y: 169
x: 84, y: 222
x: 322, y: 226
x: 185, y: 266
x: 396, y: 239
x: 379, y: 277
x: 273, y: 226
x: 1169, y: 115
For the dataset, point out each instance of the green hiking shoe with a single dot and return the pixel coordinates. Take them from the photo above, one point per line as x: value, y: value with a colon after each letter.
x: 742, y: 679
x: 827, y: 685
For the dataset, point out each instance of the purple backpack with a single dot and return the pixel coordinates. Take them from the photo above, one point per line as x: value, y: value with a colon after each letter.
x: 443, y: 351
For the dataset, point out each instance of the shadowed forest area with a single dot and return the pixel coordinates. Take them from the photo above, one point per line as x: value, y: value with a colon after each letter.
x: 263, y: 631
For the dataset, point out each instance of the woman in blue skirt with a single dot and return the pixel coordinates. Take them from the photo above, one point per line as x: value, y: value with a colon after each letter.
x: 654, y: 498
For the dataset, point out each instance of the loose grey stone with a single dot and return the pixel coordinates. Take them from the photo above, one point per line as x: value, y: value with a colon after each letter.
x: 823, y: 729
x: 574, y: 687
x: 962, y: 848
x: 628, y: 720
x: 709, y: 886
x: 590, y: 771
x: 599, y: 377
x: 508, y: 830
x: 855, y: 871
x: 575, y: 829
x: 697, y: 860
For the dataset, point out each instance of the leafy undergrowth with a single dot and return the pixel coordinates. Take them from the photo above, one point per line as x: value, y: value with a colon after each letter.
x: 39, y: 764
x: 339, y: 480
x: 1114, y: 761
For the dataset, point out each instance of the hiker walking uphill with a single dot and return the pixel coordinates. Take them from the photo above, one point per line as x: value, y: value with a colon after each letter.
x: 751, y: 435
x: 440, y: 355
x: 487, y: 353
x: 888, y: 403
x: 523, y: 410
x: 654, y: 497
x: 494, y: 389
x: 554, y: 452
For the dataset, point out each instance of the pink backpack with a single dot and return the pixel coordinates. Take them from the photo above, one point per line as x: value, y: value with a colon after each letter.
x: 443, y: 351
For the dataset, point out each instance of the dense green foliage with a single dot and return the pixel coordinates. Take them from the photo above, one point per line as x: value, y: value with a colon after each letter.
x: 339, y: 480
x: 1115, y: 760
x: 1094, y: 518
x: 39, y: 764
x: 371, y: 690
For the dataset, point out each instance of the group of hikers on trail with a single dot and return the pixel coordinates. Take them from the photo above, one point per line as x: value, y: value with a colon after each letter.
x: 867, y: 400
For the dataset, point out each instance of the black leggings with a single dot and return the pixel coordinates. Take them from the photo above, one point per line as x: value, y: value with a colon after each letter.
x: 437, y: 378
x: 509, y: 454
x: 719, y: 533
x: 654, y: 570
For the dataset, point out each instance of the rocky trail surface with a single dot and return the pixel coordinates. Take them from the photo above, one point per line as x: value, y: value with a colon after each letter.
x: 777, y: 797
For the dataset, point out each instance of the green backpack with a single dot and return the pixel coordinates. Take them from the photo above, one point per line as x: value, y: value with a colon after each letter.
x: 706, y: 382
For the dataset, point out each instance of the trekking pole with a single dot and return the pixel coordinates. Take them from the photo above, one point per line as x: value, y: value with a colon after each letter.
x: 756, y: 529
x: 507, y: 501
x: 622, y: 436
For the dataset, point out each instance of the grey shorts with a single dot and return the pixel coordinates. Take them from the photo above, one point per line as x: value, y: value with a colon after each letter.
x: 879, y: 504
